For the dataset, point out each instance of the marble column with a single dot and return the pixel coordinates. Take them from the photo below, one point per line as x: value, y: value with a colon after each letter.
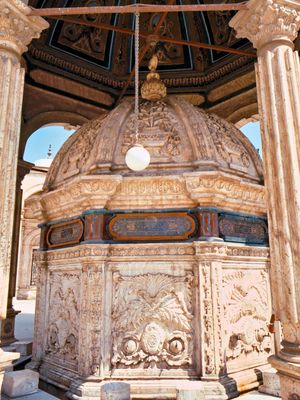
x: 8, y: 324
x: 272, y: 26
x: 17, y: 29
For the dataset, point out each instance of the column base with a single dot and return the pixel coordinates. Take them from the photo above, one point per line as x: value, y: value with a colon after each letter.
x: 7, y: 328
x: 289, y: 374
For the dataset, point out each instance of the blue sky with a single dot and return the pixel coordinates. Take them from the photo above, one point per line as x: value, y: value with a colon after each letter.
x: 38, y: 143
x: 252, y: 131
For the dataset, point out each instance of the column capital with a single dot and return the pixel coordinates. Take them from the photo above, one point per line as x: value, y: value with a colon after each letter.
x: 17, y: 28
x: 267, y: 21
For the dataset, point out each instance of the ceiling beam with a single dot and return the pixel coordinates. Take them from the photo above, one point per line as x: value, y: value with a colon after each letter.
x: 145, y: 49
x: 145, y: 35
x: 141, y: 8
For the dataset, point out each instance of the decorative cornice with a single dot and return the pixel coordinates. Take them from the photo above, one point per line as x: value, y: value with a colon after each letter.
x: 17, y: 29
x: 208, y: 189
x: 39, y: 54
x: 228, y: 250
x: 222, y: 190
x: 81, y: 194
x: 124, y: 251
x: 267, y: 21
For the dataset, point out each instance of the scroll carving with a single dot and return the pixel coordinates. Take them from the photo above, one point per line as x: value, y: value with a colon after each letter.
x: 152, y: 321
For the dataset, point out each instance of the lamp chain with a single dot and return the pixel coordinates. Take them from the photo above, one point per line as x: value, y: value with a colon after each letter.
x: 136, y: 47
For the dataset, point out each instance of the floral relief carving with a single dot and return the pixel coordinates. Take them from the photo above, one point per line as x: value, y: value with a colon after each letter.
x: 91, y: 319
x: 227, y: 145
x: 207, y: 317
x: 74, y: 153
x: 226, y: 186
x: 246, y: 310
x: 160, y: 132
x: 153, y: 321
x: 127, y: 251
x: 156, y: 187
x: 62, y: 331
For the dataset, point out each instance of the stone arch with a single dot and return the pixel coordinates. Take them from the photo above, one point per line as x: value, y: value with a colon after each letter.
x: 245, y: 112
x: 247, y: 120
x: 48, y: 118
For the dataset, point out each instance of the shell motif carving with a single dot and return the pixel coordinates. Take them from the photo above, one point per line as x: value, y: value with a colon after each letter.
x: 62, y: 332
x: 153, y: 321
x: 246, y: 313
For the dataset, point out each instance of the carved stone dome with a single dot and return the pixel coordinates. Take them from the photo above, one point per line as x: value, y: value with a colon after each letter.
x: 180, y: 138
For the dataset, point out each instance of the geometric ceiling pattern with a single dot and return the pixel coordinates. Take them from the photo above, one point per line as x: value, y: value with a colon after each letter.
x: 108, y: 56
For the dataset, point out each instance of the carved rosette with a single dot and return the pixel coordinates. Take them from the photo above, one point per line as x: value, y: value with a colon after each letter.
x: 152, y: 321
x: 17, y: 29
x: 267, y: 21
x: 246, y: 312
x: 63, y: 318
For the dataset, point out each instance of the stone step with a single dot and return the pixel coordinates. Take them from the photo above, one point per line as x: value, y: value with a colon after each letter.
x: 257, y: 396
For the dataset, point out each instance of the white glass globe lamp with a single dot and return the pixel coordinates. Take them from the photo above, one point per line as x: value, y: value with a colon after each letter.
x: 137, y: 158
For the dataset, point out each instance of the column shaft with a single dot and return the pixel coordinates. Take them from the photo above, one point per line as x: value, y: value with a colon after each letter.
x: 278, y: 90
x: 17, y: 29
x: 11, y: 95
x: 272, y: 26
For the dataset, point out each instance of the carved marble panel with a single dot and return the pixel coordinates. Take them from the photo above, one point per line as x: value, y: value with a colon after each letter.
x: 152, y: 320
x: 63, y: 318
x: 246, y: 307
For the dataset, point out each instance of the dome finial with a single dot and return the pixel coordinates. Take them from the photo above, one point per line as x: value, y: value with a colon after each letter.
x: 153, y: 89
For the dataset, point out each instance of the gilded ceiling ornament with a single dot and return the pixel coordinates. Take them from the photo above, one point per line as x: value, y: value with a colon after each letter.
x: 153, y: 89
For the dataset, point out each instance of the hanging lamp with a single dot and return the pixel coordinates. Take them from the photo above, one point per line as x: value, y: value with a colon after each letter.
x: 137, y: 157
